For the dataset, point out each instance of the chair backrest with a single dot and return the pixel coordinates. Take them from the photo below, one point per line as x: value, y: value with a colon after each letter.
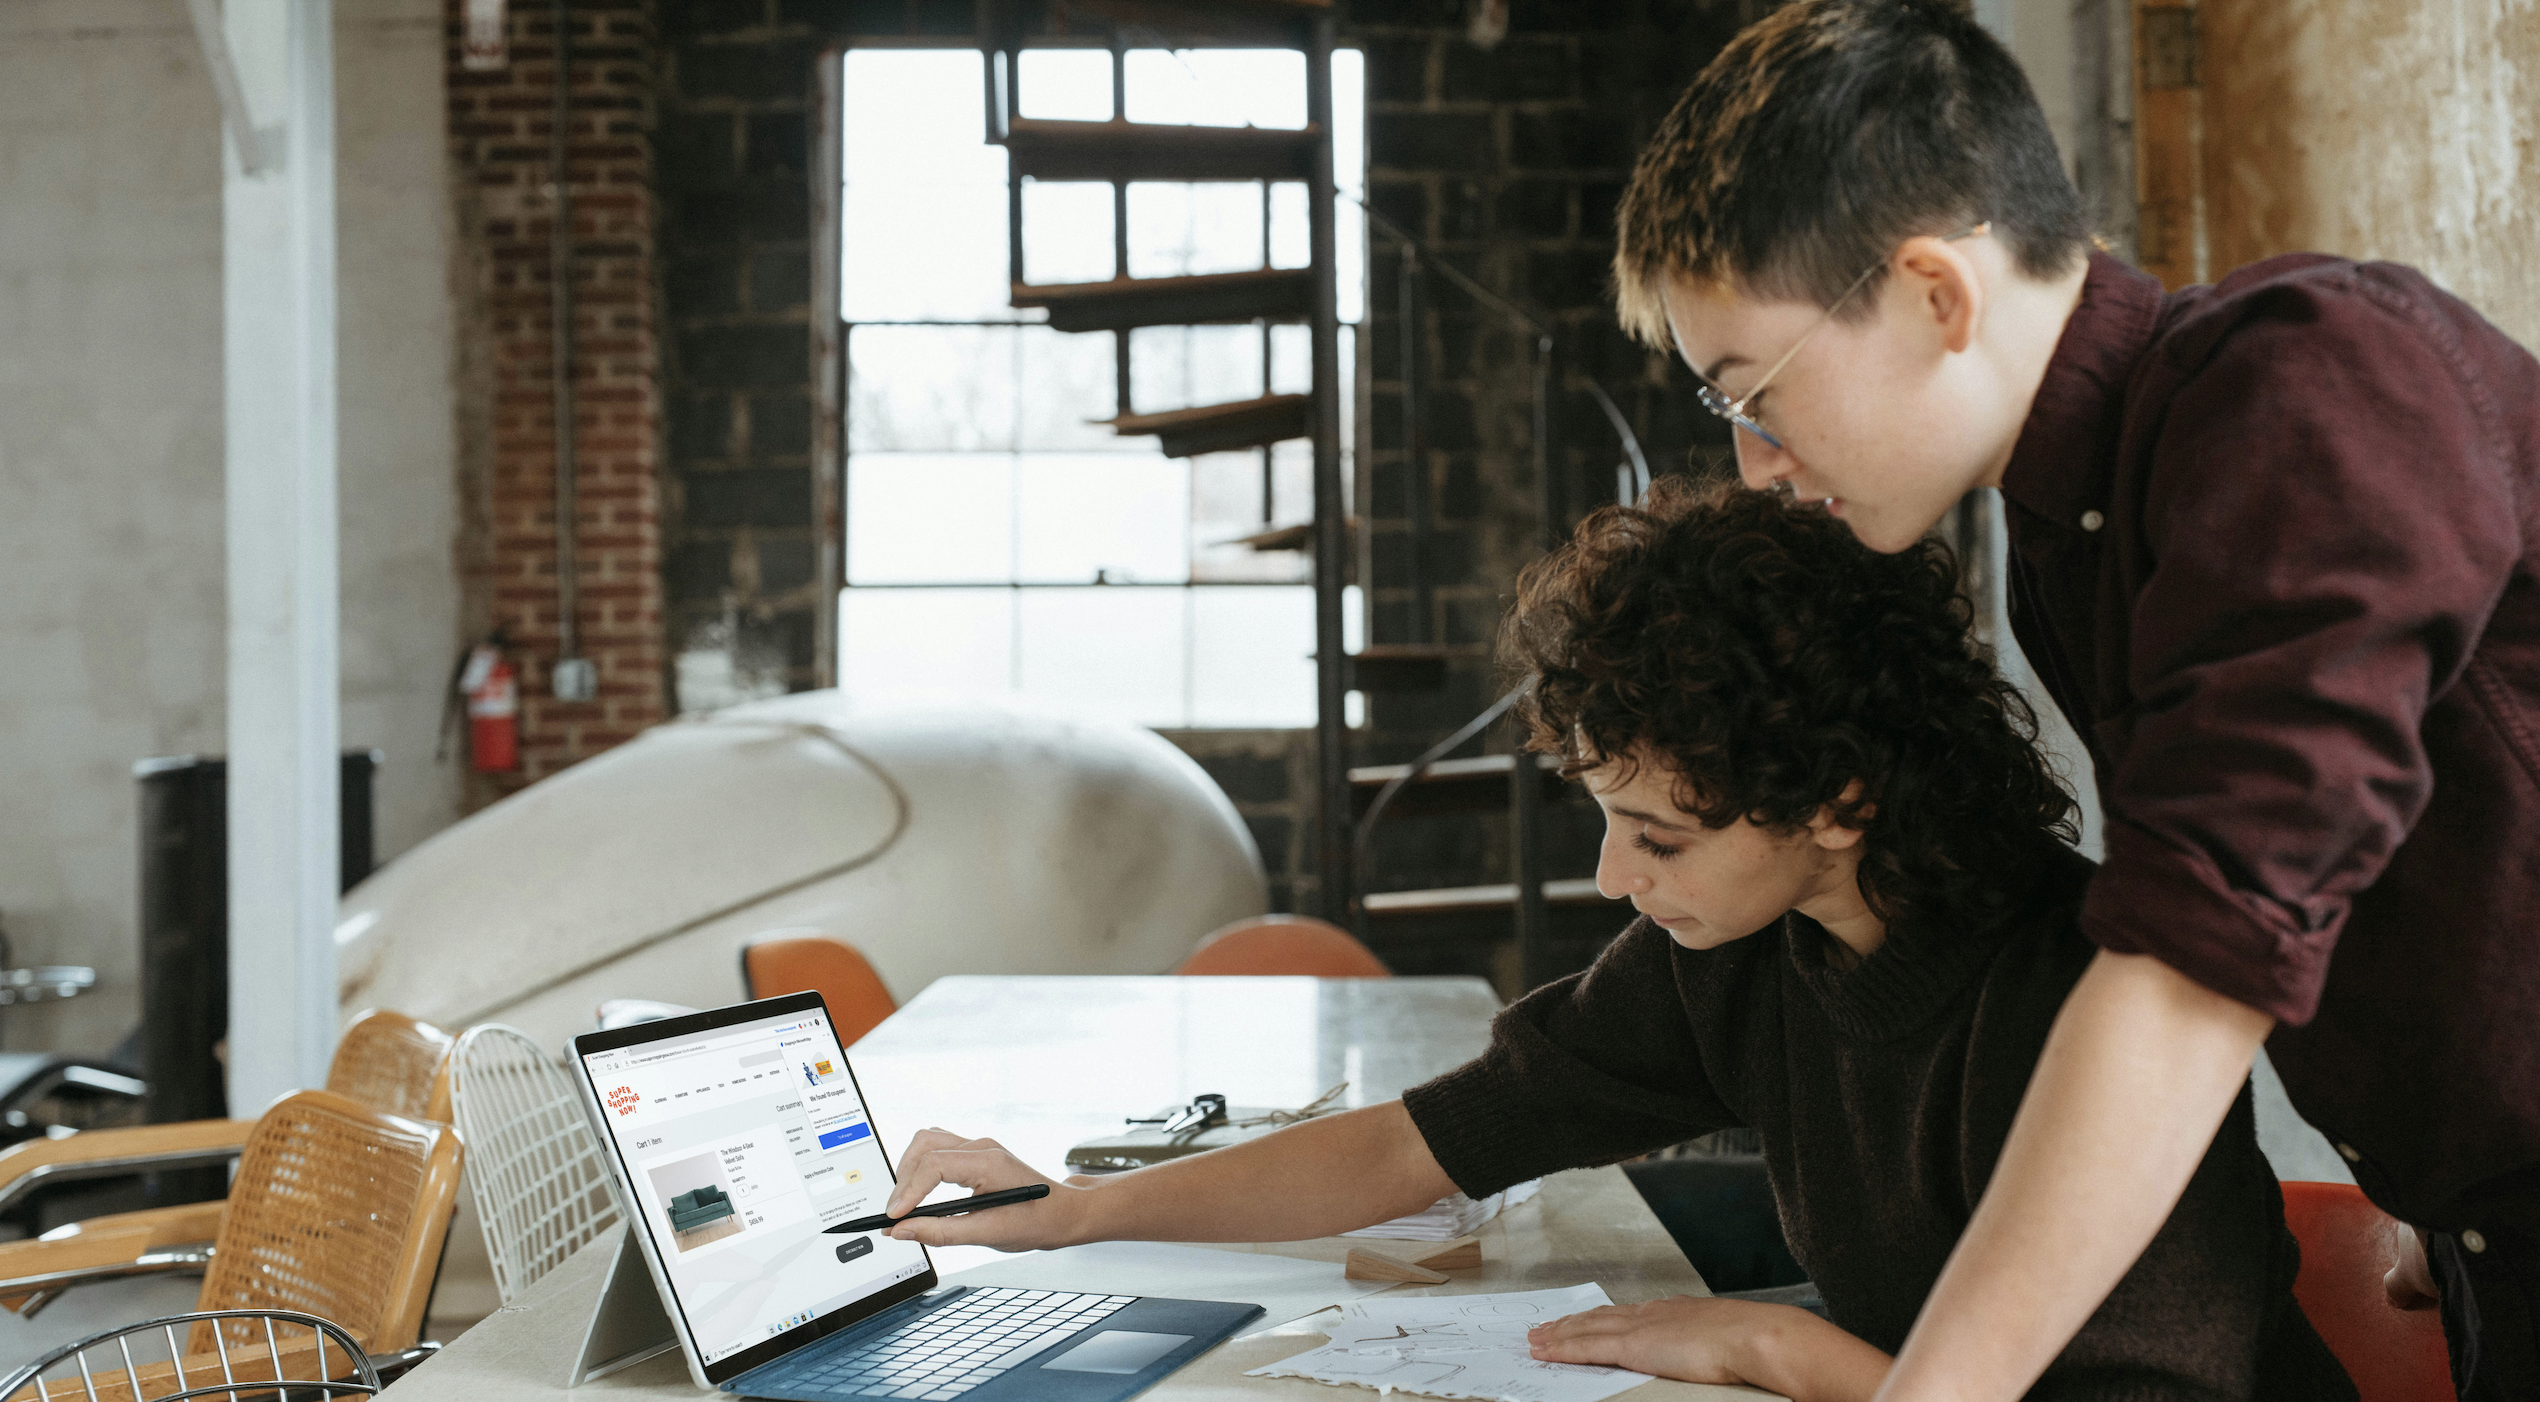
x: 798, y: 963
x: 338, y: 1210
x: 2394, y: 1355
x: 391, y: 1061
x: 542, y: 1190
x: 148, y: 1360
x: 1284, y: 944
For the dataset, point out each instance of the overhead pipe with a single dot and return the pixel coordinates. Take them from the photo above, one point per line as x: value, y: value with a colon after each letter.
x: 1415, y: 443
x: 575, y: 677
x: 1331, y: 507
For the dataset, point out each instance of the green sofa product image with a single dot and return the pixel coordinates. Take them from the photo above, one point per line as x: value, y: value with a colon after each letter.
x: 691, y: 1210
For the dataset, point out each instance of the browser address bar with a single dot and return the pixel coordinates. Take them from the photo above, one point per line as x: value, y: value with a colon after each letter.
x: 718, y: 1044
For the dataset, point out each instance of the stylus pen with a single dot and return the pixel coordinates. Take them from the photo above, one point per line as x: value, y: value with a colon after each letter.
x: 1002, y: 1198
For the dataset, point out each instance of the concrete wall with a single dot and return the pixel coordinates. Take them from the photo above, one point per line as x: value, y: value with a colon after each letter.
x: 2040, y: 34
x: 2379, y: 131
x: 110, y: 450
x: 398, y: 490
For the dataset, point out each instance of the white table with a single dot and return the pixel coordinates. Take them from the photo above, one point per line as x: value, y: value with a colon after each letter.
x: 1041, y: 1063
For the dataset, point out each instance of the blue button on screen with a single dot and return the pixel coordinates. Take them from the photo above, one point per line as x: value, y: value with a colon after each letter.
x: 849, y: 1135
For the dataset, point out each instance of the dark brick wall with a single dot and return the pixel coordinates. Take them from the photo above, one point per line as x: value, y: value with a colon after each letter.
x: 736, y: 182
x: 1508, y: 160
x: 1270, y: 776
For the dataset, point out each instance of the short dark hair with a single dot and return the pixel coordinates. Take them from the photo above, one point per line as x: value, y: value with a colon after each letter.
x: 1826, y: 134
x: 1768, y: 660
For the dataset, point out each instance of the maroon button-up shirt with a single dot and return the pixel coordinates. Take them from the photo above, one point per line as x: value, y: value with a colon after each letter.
x: 2276, y: 552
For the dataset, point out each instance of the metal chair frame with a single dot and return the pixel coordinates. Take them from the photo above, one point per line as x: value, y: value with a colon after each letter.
x: 542, y: 1189
x: 45, y: 1289
x: 364, y: 1383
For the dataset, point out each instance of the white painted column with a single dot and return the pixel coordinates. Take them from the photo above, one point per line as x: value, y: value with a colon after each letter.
x: 278, y: 355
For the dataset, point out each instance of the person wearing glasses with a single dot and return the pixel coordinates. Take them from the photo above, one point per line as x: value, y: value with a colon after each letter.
x: 2275, y: 550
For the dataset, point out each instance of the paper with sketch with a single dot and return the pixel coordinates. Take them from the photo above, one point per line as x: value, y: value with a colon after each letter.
x: 1284, y: 1287
x: 1469, y: 1346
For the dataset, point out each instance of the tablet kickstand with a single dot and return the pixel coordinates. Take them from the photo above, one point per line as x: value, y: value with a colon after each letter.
x: 628, y: 1325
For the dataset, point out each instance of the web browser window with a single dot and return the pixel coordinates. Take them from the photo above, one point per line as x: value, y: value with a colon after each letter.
x: 740, y: 1146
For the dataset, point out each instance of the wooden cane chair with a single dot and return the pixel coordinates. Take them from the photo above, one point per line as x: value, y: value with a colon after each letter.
x: 147, y: 1362
x: 337, y: 1210
x: 533, y: 1165
x: 395, y: 1063
x: 1284, y: 944
x: 812, y: 962
x: 386, y: 1060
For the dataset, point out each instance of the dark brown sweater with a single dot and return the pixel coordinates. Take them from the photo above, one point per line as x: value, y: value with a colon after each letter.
x: 1883, y: 1094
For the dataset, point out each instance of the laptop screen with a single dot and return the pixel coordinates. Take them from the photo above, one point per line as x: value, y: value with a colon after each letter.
x: 741, y: 1141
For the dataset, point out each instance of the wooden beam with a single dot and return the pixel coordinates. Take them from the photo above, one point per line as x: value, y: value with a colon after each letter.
x: 2169, y: 136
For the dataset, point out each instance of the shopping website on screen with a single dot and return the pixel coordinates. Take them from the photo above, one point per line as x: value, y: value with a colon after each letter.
x: 742, y: 1145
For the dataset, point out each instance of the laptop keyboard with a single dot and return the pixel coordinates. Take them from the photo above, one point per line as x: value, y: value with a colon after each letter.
x: 945, y: 1352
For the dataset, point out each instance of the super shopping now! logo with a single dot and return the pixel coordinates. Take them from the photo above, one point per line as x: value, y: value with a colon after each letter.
x: 623, y: 1099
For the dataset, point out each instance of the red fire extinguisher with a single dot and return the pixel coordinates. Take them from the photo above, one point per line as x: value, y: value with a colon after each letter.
x: 493, y: 710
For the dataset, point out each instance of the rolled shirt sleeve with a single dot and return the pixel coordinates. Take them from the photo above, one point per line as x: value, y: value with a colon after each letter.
x: 2329, y: 520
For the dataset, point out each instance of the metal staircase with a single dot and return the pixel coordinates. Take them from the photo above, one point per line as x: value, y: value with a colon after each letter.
x: 1127, y: 303
x: 1556, y: 922
x: 1216, y: 428
x: 1038, y: 149
x: 1119, y: 152
x: 1537, y: 912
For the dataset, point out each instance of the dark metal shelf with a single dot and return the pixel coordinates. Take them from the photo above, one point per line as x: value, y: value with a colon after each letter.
x: 1053, y: 150
x: 1124, y: 304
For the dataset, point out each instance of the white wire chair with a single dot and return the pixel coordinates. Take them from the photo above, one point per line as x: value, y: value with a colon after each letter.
x: 223, y: 1353
x: 542, y: 1190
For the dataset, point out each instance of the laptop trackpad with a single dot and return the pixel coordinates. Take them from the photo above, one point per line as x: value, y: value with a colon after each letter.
x: 1117, y: 1351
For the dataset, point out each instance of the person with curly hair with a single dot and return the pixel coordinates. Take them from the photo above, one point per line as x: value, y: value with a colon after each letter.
x: 1856, y: 921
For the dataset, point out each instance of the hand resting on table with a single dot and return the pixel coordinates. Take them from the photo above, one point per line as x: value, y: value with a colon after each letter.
x: 1776, y: 1347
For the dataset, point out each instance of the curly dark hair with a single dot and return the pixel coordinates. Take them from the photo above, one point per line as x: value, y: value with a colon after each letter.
x: 1768, y: 660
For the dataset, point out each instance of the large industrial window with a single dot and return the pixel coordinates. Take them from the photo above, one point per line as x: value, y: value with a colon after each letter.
x: 1000, y: 539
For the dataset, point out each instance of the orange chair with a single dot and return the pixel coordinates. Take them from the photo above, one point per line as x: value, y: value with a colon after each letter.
x: 812, y: 962
x: 1284, y: 944
x: 2394, y: 1355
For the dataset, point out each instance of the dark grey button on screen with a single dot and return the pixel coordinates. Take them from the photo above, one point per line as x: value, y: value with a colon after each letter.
x: 1117, y: 1351
x: 860, y: 1246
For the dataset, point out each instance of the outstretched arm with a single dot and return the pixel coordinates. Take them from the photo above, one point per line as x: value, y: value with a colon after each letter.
x: 2137, y: 1075
x: 1315, y: 1179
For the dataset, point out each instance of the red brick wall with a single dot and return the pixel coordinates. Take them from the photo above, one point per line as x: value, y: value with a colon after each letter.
x: 500, y: 124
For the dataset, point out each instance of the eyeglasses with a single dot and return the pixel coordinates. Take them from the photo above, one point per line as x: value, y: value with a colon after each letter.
x: 1717, y: 400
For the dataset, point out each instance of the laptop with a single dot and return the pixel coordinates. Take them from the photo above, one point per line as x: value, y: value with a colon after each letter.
x: 736, y: 1136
